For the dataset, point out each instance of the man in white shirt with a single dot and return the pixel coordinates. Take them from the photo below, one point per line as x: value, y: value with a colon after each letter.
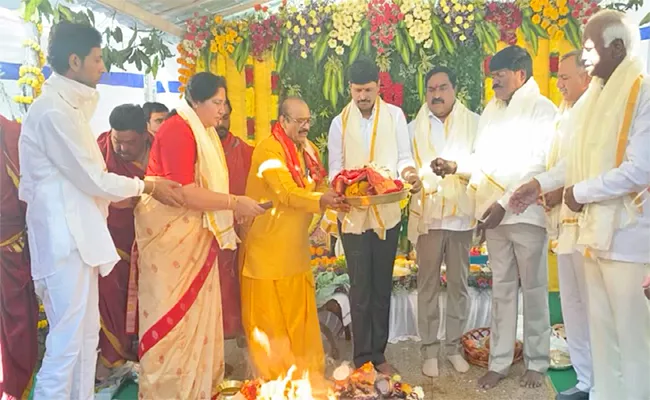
x: 514, y: 134
x: 67, y: 190
x: 370, y: 131
x: 573, y: 81
x: 605, y: 216
x: 441, y: 216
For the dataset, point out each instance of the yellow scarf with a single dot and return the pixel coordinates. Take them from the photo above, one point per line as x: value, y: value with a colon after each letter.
x: 213, y: 175
x: 439, y: 197
x: 601, y: 125
x: 382, y: 153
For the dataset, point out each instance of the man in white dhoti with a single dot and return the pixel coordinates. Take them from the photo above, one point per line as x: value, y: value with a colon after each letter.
x: 514, y: 135
x: 605, y: 215
x: 67, y: 191
x: 370, y: 131
x: 441, y: 216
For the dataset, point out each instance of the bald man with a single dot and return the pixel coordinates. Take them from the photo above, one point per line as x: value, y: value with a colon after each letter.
x: 277, y: 285
x: 606, y: 176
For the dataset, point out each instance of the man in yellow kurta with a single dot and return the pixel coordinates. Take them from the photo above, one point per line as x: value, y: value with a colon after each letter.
x: 277, y: 285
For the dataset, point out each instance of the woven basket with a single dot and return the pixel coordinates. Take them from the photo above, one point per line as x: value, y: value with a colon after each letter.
x: 476, y: 345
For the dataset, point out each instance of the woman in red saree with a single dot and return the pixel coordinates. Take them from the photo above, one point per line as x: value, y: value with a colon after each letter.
x: 180, y: 323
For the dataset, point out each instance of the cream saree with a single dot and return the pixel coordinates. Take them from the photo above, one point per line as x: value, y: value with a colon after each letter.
x: 181, y: 330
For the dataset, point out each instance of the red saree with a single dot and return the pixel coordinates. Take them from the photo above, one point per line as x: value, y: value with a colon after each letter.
x: 18, y: 303
x: 238, y: 157
x: 115, y: 343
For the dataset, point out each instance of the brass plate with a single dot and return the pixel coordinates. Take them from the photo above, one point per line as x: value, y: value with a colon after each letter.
x: 361, y: 201
x: 229, y: 388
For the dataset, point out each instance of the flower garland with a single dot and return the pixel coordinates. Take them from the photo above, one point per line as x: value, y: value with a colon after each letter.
x: 460, y: 17
x: 384, y: 15
x: 417, y: 19
x: 391, y: 92
x: 250, y: 101
x: 226, y: 35
x: 264, y: 33
x: 30, y: 77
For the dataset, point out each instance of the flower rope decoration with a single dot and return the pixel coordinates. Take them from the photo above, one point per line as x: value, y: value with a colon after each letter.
x: 31, y: 76
x: 554, y: 63
x: 507, y: 18
x: 193, y: 42
x: 250, y: 101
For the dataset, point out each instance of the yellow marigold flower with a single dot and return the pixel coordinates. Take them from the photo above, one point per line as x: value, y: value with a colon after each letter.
x: 445, y: 9
x: 457, y: 7
x: 561, y: 3
x: 559, y: 35
x: 213, y: 47
x: 218, y: 19
x: 564, y: 10
x: 551, y: 30
x: 302, y: 22
x: 536, y: 19
x: 230, y: 49
x: 296, y: 29
x: 536, y: 6
x: 458, y: 20
x: 310, y: 30
x: 545, y: 24
x: 470, y: 7
x: 562, y: 22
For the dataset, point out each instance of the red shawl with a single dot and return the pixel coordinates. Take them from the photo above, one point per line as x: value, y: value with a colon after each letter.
x: 312, y: 160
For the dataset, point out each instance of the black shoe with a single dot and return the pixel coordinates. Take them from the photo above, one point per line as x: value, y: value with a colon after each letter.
x: 572, y: 394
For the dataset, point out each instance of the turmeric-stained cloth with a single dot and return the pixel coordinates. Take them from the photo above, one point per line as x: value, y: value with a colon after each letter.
x: 18, y: 303
x: 179, y: 297
x: 238, y: 158
x: 278, y: 295
x: 115, y: 343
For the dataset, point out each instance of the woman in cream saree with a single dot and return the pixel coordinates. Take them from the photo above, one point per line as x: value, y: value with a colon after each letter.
x: 179, y: 297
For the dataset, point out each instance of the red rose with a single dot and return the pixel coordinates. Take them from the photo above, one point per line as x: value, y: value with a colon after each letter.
x: 275, y: 80
x: 257, y: 7
x: 250, y: 127
x: 575, y: 14
x: 265, y: 9
x: 554, y: 63
x: 248, y: 73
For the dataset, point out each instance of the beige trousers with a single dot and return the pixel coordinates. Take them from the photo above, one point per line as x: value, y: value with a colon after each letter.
x: 517, y: 258
x: 452, y: 247
x: 619, y: 324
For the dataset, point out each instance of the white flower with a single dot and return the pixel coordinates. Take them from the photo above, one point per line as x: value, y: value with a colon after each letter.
x: 428, y: 44
x: 339, y: 50
x: 332, y: 43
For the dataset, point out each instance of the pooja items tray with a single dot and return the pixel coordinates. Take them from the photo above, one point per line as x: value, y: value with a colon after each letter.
x: 378, y: 199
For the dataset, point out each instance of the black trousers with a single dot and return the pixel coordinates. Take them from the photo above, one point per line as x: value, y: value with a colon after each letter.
x: 370, y: 263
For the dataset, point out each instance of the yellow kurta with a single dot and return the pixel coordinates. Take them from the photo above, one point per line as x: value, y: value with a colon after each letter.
x: 277, y: 285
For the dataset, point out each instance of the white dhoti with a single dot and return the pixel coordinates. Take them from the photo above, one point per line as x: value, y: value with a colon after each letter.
x: 573, y: 296
x: 71, y: 300
x: 619, y: 323
x: 517, y: 257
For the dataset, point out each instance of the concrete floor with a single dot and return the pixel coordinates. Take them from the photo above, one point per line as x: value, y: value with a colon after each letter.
x: 449, y: 386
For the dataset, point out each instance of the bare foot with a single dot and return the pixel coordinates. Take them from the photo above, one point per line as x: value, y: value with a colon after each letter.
x: 386, y: 369
x: 531, y: 379
x: 490, y: 380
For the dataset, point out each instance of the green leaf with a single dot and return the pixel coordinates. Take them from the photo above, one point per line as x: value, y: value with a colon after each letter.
x: 154, y: 66
x: 645, y: 19
x: 31, y: 6
x: 117, y: 35
x: 45, y: 10
x: 91, y: 17
x: 135, y: 36
x: 65, y: 12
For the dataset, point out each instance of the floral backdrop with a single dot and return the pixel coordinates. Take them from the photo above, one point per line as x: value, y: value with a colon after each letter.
x: 305, y: 50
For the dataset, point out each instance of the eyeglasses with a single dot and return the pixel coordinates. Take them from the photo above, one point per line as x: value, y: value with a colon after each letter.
x: 301, y: 121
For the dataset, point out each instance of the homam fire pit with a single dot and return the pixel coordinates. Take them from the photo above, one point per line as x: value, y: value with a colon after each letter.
x: 346, y: 384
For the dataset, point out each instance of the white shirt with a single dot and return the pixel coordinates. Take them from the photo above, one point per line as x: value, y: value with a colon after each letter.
x: 533, y: 142
x: 439, y: 141
x: 64, y: 180
x: 632, y: 243
x: 334, y: 142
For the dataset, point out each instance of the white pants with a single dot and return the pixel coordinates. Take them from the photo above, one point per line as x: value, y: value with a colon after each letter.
x: 619, y: 323
x: 71, y: 302
x: 573, y: 295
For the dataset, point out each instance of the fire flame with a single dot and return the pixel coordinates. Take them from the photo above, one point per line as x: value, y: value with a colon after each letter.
x: 285, y: 387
